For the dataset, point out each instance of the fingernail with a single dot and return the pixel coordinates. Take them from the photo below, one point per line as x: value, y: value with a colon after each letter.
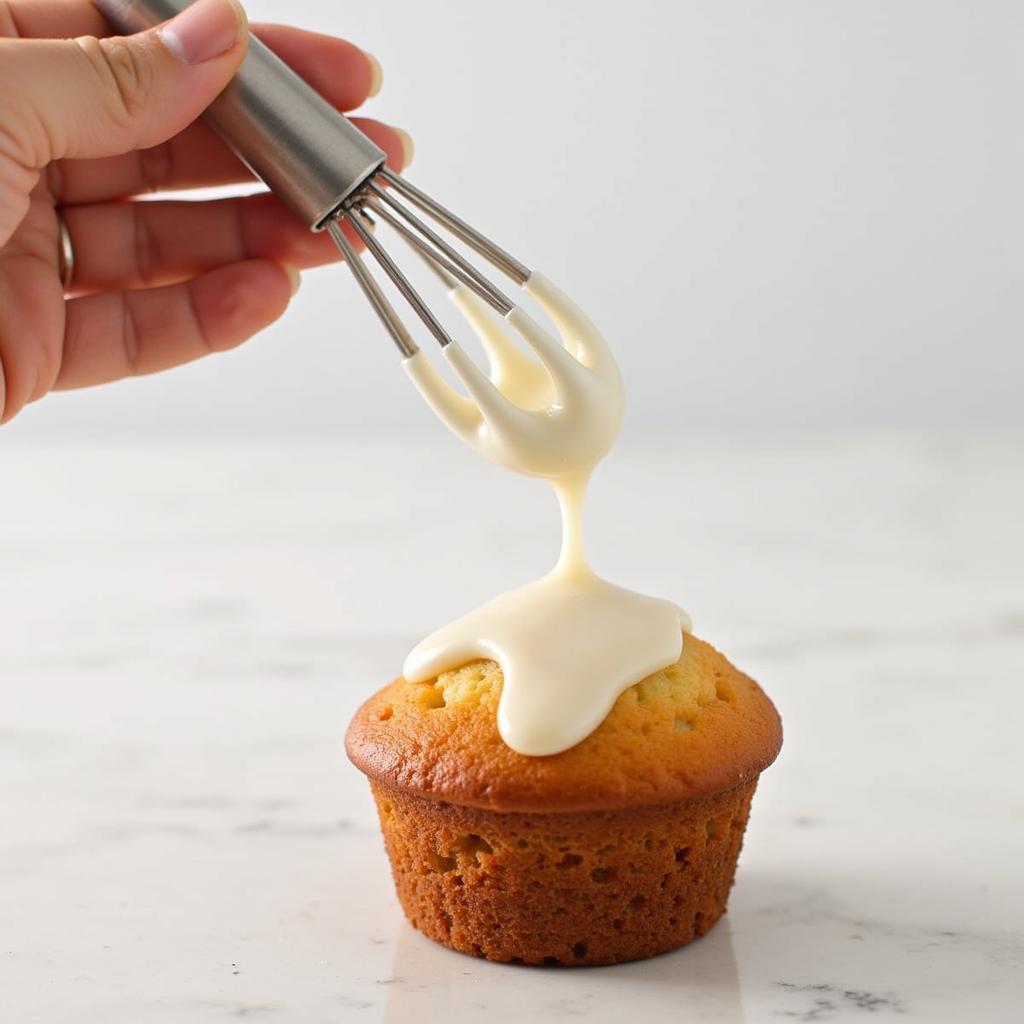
x: 408, y: 146
x: 203, y: 31
x: 376, y: 74
x: 293, y: 276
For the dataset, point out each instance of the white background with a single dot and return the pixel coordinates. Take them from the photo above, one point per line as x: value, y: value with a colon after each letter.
x: 784, y: 215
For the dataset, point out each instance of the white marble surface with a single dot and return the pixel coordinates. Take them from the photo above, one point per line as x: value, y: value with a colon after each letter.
x: 184, y: 632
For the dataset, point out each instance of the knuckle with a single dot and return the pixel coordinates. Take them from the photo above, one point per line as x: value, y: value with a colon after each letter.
x: 131, y: 342
x: 8, y: 26
x: 156, y: 166
x: 147, y: 255
x: 49, y: 356
x: 228, y: 308
x: 127, y: 70
x: 23, y: 142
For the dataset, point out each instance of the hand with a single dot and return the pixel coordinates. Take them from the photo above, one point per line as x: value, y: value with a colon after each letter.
x: 88, y: 122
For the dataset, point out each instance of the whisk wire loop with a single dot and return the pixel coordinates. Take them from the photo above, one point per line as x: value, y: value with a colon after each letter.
x: 439, y: 255
x: 491, y: 252
x: 454, y: 263
x: 374, y: 294
x: 400, y: 281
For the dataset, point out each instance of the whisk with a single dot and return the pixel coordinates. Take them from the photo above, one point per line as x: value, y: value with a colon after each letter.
x: 541, y: 417
x: 328, y: 172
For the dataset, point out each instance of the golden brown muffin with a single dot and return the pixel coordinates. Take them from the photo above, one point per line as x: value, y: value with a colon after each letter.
x: 618, y: 848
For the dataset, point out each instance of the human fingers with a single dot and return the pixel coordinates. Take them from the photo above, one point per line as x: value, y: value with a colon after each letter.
x: 193, y: 159
x: 95, y: 97
x: 135, y: 245
x: 92, y: 97
x: 345, y: 75
x: 51, y: 19
x: 121, y: 334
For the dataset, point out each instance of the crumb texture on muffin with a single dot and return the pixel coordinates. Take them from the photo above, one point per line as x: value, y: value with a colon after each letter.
x: 573, y: 889
x: 695, y: 728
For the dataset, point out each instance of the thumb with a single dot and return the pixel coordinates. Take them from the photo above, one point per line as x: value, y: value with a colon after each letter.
x: 91, y: 97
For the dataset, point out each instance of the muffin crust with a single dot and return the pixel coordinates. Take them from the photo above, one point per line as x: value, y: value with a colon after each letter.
x: 598, y: 887
x: 695, y: 728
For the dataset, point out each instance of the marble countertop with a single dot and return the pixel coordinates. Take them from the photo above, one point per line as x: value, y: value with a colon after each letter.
x: 186, y: 629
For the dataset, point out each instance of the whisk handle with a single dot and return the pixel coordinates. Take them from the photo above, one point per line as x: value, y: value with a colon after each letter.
x: 284, y: 131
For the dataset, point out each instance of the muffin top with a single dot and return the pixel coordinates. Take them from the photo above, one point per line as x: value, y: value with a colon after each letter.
x: 694, y: 728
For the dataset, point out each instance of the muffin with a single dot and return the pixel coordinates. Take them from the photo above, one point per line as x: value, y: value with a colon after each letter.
x: 619, y: 848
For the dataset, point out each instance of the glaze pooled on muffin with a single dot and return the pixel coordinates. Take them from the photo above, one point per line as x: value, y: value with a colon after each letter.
x: 569, y: 643
x: 696, y: 727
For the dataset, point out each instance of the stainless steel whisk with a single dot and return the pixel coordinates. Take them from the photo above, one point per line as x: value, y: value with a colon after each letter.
x: 329, y: 172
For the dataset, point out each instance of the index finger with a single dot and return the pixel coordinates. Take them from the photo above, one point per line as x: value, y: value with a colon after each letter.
x: 345, y: 75
x: 51, y: 19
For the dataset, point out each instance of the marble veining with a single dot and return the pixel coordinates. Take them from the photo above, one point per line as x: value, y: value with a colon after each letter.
x: 828, y: 1001
x: 185, y: 631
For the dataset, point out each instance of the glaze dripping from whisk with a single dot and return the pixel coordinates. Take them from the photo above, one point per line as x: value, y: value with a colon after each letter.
x: 571, y: 642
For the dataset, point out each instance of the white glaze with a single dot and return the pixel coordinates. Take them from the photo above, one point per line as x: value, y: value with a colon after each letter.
x: 571, y: 642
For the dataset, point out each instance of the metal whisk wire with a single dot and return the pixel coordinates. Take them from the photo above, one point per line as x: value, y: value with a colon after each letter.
x: 375, y: 201
x: 379, y: 302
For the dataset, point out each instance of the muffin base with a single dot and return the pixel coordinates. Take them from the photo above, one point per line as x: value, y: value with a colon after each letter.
x: 597, y: 887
